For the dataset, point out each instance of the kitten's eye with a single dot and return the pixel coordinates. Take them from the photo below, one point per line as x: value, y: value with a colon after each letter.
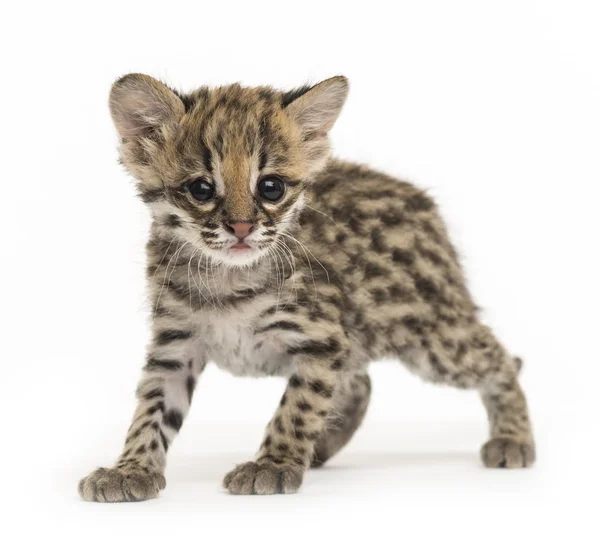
x: 271, y: 188
x: 201, y: 190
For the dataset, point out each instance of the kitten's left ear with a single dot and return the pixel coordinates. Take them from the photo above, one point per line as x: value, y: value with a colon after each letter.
x: 141, y: 105
x: 317, y: 108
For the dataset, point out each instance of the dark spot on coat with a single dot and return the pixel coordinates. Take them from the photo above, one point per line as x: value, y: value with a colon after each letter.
x: 296, y: 381
x: 157, y: 364
x: 190, y: 385
x: 168, y: 336
x: 303, y: 406
x: 320, y: 388
x: 279, y: 425
x: 153, y: 394
x: 403, y: 256
x: 172, y: 221
x: 316, y: 348
x: 372, y: 270
x: 419, y: 202
x: 174, y: 419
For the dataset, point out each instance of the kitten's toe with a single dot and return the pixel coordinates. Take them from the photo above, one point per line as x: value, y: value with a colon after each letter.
x: 264, y: 477
x: 241, y: 479
x: 505, y: 452
x: 121, y: 485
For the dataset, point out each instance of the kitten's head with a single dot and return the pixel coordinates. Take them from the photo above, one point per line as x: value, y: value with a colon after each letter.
x: 225, y: 169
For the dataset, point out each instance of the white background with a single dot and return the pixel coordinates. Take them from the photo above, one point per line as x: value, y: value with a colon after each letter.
x: 493, y: 106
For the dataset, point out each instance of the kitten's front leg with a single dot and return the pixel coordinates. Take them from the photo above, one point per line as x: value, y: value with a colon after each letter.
x: 164, y: 395
x: 287, y: 449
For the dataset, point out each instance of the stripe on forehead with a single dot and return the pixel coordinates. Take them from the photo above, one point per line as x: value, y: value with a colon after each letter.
x: 239, y: 172
x: 232, y: 132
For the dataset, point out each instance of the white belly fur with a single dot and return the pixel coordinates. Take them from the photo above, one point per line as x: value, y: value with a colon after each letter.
x: 227, y: 338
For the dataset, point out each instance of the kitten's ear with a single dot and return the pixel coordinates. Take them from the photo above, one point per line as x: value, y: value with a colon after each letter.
x: 317, y: 108
x: 140, y: 104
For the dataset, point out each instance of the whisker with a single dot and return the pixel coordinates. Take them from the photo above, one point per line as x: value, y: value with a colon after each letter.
x: 291, y: 262
x: 188, y: 275
x: 167, y: 275
x: 202, y: 281
x: 308, y: 261
x: 321, y: 212
x: 161, y: 261
x: 313, y: 255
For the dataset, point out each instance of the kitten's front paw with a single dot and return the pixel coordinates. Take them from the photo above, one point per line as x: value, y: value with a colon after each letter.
x: 128, y: 484
x: 503, y: 452
x: 264, y: 477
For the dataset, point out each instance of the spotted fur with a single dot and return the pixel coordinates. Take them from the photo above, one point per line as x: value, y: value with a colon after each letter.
x: 348, y: 267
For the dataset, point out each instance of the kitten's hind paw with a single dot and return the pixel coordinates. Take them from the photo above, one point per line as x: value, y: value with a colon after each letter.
x: 128, y: 484
x: 505, y: 452
x: 264, y: 477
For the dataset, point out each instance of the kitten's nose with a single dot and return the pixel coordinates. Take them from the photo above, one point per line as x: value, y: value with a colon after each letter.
x: 240, y: 229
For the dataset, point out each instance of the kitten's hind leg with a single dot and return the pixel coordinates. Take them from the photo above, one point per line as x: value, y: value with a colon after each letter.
x: 471, y: 357
x: 350, y: 409
x: 511, y: 444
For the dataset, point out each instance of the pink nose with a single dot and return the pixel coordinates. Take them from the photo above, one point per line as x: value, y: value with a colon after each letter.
x: 240, y: 229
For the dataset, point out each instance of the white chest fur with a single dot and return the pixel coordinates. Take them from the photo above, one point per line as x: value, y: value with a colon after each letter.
x: 229, y: 339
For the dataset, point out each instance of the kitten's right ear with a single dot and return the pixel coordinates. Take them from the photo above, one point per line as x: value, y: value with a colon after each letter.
x: 141, y: 105
x: 316, y: 108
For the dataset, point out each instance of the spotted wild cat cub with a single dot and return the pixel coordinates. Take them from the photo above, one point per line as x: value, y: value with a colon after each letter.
x: 267, y: 257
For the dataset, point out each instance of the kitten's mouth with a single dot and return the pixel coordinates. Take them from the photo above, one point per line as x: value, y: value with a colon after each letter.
x: 240, y: 246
